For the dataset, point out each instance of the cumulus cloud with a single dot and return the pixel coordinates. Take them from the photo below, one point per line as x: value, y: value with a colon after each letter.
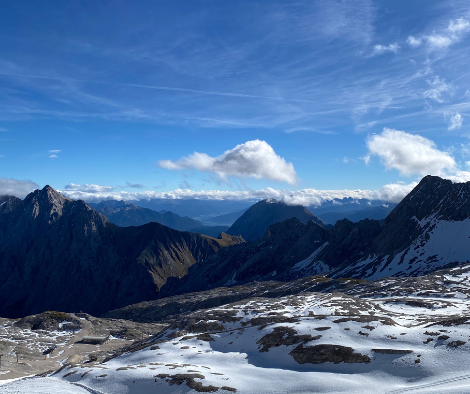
x: 439, y: 87
x: 17, y: 188
x: 455, y: 122
x: 381, y: 49
x: 410, y: 154
x: 255, y: 159
x: 444, y: 38
x: 459, y: 176
x: 391, y: 193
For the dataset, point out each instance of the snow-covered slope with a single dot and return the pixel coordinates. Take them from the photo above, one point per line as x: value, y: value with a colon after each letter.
x: 428, y: 230
x: 388, y: 336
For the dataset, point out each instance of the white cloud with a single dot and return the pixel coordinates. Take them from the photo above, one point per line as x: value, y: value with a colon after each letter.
x: 414, y: 42
x: 54, y: 152
x: 255, y: 159
x: 86, y: 188
x: 15, y: 187
x: 458, y: 26
x: 439, y: 87
x: 381, y: 49
x: 438, y: 41
x: 96, y: 193
x: 444, y: 38
x: 410, y: 154
x: 455, y: 122
x: 459, y: 176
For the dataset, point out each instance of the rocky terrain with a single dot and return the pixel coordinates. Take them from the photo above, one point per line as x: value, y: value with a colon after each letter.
x: 255, y: 221
x: 391, y: 335
x: 8, y: 203
x: 427, y: 231
x: 59, y: 254
x: 45, y: 342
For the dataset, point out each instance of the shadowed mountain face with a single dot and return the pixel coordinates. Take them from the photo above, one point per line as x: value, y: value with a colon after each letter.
x: 428, y: 230
x: 125, y: 214
x: 283, y: 254
x: 8, y: 203
x: 59, y: 254
x: 254, y: 223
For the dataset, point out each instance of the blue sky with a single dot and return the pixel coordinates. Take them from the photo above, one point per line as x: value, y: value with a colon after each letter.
x: 116, y: 96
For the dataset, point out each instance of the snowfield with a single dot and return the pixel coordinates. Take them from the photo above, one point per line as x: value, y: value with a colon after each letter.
x: 412, y: 337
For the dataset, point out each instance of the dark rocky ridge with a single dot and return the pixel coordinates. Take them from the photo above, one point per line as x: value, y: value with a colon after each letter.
x: 434, y: 199
x: 276, y: 254
x: 59, y: 254
x: 8, y: 203
x: 254, y: 223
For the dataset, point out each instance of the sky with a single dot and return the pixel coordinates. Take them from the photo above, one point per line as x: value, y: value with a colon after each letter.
x: 233, y: 99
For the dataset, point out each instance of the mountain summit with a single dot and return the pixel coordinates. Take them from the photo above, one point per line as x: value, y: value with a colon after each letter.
x: 254, y: 223
x: 59, y: 254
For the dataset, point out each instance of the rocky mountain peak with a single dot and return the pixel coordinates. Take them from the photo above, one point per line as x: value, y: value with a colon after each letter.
x: 254, y: 223
x: 47, y: 203
x: 8, y: 203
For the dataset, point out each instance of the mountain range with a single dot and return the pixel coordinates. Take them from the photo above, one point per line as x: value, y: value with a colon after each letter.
x: 377, y: 212
x: 56, y: 253
x: 59, y: 254
x: 125, y: 214
x: 428, y: 230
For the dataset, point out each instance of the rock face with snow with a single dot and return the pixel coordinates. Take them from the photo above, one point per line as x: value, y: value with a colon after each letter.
x: 254, y: 223
x: 410, y: 337
x: 428, y: 230
x: 59, y: 254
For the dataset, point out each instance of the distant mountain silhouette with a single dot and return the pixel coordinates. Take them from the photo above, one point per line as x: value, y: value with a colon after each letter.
x: 378, y: 213
x: 125, y: 214
x: 254, y: 223
x: 225, y: 220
